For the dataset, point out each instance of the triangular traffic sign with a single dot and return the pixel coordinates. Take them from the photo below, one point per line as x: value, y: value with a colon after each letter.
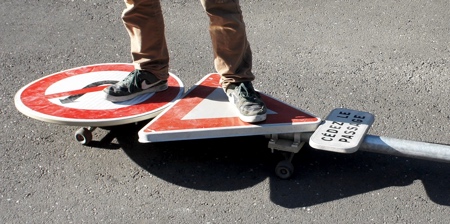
x: 204, y: 112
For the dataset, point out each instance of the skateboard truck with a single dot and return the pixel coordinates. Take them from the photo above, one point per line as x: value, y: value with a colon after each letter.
x: 343, y: 131
x: 284, y: 169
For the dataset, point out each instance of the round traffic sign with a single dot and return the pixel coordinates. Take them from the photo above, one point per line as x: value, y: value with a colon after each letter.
x: 75, y: 97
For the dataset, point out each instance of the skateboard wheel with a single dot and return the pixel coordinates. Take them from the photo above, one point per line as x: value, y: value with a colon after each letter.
x: 284, y: 169
x: 83, y: 136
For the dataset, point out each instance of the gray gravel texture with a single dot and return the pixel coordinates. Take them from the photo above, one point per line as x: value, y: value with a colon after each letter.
x: 390, y: 58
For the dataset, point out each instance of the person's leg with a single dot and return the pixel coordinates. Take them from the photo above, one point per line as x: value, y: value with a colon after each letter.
x: 232, y: 53
x: 144, y: 22
x: 233, y: 58
x: 143, y: 19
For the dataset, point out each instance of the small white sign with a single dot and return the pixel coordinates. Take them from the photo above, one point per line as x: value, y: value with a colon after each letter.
x: 342, y: 131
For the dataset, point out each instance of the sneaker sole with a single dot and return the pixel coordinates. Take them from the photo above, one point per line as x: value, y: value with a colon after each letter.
x: 153, y: 89
x: 253, y: 119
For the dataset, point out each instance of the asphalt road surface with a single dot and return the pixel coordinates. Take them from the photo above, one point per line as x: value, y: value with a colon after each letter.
x: 390, y: 58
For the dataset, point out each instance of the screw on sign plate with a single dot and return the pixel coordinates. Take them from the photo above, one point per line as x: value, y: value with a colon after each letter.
x: 342, y: 131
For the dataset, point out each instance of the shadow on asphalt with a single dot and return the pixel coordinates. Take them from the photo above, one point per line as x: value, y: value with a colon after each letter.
x: 229, y: 164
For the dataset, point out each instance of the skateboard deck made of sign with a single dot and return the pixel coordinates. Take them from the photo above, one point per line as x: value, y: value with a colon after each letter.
x: 74, y: 97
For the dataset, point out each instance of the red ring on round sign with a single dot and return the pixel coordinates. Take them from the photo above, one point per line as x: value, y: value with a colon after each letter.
x: 34, y: 98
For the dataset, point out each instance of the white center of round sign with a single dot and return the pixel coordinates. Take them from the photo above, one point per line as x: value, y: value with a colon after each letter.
x: 94, y: 100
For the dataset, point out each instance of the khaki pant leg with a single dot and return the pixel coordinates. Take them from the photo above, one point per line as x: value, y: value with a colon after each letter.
x: 232, y: 53
x: 144, y: 22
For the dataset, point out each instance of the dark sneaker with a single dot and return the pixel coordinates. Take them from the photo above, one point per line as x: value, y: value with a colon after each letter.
x: 138, y: 82
x: 247, y: 101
